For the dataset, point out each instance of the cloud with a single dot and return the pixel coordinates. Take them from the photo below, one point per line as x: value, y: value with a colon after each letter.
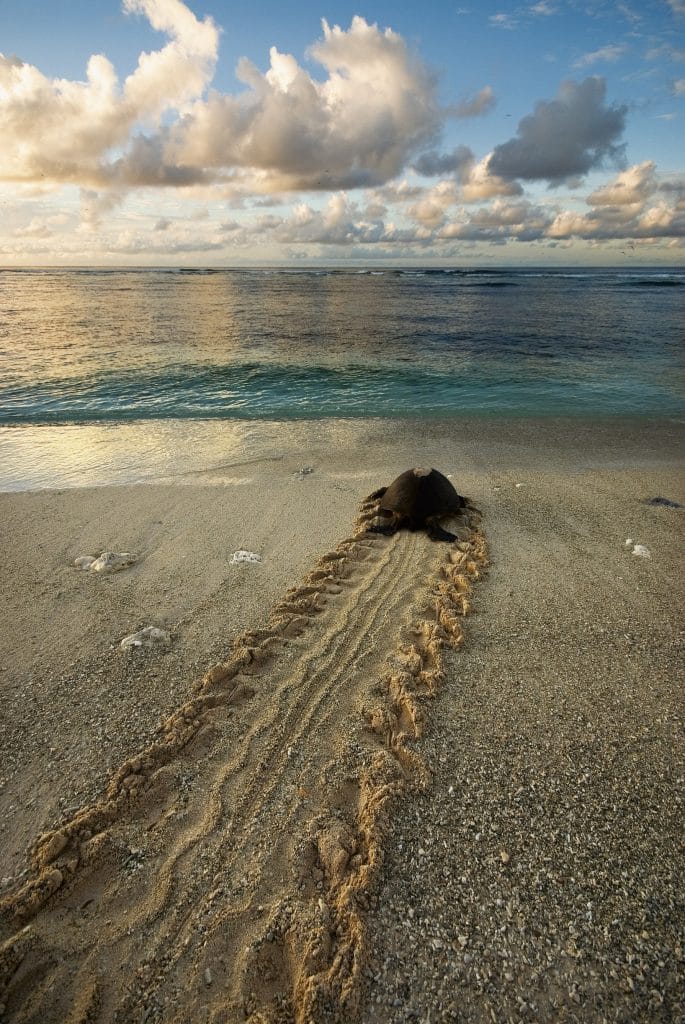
x: 374, y: 109
x: 502, y: 21
x: 340, y: 223
x: 481, y: 183
x: 678, y: 87
x: 94, y: 206
x: 542, y: 8
x: 606, y: 53
x: 564, y: 137
x: 358, y: 127
x: 667, y: 52
x: 459, y: 162
x: 659, y: 221
x: 502, y: 221
x: 62, y: 131
x: 628, y: 208
x: 677, y: 6
x: 633, y: 185
x: 479, y: 104
x: 431, y: 211
x: 629, y: 14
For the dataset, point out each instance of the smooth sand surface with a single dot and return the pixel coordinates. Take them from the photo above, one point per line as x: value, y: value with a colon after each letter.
x: 259, y: 856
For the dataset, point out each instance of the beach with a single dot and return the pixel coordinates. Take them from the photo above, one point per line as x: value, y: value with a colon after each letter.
x: 494, y: 834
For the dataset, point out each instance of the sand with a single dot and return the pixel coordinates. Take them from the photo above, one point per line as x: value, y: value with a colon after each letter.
x: 380, y: 807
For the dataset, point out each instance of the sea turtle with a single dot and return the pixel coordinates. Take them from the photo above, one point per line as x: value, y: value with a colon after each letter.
x: 416, y: 500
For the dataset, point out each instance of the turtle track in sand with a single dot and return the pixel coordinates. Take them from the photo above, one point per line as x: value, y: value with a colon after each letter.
x: 226, y: 872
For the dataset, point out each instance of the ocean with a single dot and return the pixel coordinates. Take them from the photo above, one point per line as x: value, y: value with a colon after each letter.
x: 95, y: 349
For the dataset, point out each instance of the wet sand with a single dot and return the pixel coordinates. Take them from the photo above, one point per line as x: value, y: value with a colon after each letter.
x: 299, y: 849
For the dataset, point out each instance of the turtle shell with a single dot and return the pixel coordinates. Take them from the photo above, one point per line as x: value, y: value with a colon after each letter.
x: 420, y: 493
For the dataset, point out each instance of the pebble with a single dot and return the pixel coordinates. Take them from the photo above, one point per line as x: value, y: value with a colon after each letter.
x: 150, y: 636
x: 108, y: 561
x: 240, y: 556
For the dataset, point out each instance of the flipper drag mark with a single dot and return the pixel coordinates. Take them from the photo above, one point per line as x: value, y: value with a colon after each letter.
x: 228, y: 869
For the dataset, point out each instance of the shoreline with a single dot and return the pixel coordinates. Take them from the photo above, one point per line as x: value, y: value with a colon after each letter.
x: 170, y: 451
x: 575, y: 639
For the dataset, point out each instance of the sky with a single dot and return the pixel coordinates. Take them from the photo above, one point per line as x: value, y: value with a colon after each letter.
x: 219, y: 133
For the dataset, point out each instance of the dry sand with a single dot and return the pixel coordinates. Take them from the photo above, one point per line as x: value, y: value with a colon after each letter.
x: 366, y: 814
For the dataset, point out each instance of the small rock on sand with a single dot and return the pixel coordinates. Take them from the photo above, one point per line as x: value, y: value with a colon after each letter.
x: 150, y: 636
x: 108, y: 561
x: 244, y: 556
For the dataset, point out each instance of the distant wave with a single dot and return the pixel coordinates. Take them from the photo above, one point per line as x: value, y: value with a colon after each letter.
x: 652, y: 282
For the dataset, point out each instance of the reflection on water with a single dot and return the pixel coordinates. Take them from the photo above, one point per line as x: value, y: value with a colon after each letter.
x: 160, y: 451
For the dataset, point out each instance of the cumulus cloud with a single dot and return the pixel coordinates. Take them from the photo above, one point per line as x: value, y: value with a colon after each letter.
x: 431, y: 210
x: 375, y: 109
x: 631, y: 186
x: 628, y: 208
x: 62, y: 130
x: 658, y: 221
x: 341, y: 222
x: 564, y: 137
x: 481, y: 183
x: 458, y: 162
x: 502, y: 221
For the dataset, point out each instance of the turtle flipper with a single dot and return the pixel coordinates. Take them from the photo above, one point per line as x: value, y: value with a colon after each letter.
x: 436, y: 532
x: 387, y: 529
x: 376, y: 494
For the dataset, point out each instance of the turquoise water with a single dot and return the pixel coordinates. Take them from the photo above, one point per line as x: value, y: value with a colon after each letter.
x: 107, y: 346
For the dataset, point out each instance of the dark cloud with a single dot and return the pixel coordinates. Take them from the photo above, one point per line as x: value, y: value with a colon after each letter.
x: 458, y: 161
x: 564, y: 137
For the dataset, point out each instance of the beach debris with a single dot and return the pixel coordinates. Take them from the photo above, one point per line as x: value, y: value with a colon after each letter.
x: 303, y: 472
x: 518, y: 485
x: 641, y: 551
x: 638, y: 549
x: 150, y: 636
x: 108, y: 561
x: 666, y: 502
x: 244, y: 556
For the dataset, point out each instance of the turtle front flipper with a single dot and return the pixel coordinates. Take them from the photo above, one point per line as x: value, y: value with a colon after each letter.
x: 376, y: 494
x: 436, y: 532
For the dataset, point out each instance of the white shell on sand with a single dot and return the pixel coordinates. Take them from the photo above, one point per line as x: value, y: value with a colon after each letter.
x: 642, y: 551
x: 108, y: 561
x: 84, y: 562
x: 150, y: 636
x: 244, y: 556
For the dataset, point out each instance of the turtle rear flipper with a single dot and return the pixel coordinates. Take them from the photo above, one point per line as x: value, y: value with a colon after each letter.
x: 436, y: 532
x: 387, y: 529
